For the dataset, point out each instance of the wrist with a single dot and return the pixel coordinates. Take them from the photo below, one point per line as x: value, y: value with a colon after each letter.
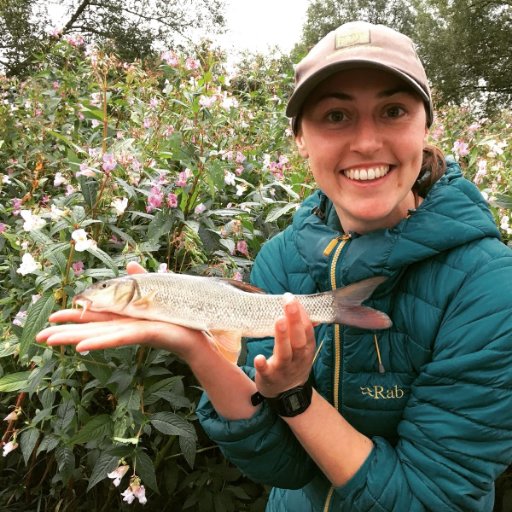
x: 289, y: 403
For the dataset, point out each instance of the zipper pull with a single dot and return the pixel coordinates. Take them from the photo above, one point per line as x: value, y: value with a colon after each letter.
x: 334, y: 242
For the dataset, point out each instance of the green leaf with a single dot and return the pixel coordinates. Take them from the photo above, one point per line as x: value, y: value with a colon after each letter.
x: 105, y: 258
x: 188, y: 446
x: 14, y: 381
x: 89, y: 188
x: 145, y: 469
x: 97, y: 366
x: 160, y: 225
x: 65, y: 461
x: 503, y: 201
x: 172, y: 425
x: 98, y: 428
x: 28, y: 441
x: 37, y: 318
x: 275, y: 213
x: 105, y: 464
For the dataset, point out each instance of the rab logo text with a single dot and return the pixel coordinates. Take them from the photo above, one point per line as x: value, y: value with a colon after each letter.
x: 382, y: 393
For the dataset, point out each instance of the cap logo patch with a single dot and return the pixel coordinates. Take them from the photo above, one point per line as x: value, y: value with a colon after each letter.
x: 352, y: 39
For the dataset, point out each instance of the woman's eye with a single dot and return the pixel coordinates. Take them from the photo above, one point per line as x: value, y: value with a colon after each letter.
x: 394, y: 111
x: 336, y: 116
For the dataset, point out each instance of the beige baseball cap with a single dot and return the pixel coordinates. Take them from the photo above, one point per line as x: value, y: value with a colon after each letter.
x: 354, y: 45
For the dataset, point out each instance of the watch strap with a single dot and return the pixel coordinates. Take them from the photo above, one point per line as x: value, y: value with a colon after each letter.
x: 289, y: 403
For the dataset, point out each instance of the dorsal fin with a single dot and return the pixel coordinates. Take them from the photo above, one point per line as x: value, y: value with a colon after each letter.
x: 246, y: 287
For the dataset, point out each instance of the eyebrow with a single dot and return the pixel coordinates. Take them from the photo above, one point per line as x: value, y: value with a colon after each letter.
x: 386, y: 93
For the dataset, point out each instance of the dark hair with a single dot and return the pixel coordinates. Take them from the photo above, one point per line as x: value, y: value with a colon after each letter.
x: 433, y: 167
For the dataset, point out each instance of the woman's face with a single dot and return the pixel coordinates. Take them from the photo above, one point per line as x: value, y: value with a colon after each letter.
x: 363, y: 131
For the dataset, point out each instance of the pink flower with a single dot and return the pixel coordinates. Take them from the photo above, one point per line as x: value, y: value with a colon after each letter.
x: 3, y: 227
x: 241, y: 247
x: 135, y: 490
x: 183, y: 178
x: 155, y: 199
x: 172, y: 200
x: 12, y: 416
x: 78, y: 268
x: 191, y: 63
x: 109, y: 162
x: 460, y: 148
x: 170, y: 58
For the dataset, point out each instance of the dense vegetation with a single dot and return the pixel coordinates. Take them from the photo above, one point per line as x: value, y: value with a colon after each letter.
x: 179, y: 166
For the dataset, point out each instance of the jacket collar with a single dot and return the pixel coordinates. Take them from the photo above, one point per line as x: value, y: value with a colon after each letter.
x: 453, y: 213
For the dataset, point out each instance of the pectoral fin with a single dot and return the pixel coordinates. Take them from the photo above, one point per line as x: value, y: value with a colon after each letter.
x: 229, y: 344
x: 144, y: 302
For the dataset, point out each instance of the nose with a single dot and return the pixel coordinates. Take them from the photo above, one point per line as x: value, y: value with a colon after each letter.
x: 366, y: 136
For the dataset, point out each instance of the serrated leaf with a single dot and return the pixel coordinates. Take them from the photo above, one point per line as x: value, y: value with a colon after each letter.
x: 89, y: 188
x: 97, y: 428
x: 105, y: 464
x: 160, y: 225
x: 28, y: 441
x: 275, y: 213
x: 145, y: 470
x: 188, y: 446
x: 105, y: 258
x: 49, y: 443
x: 37, y: 317
x: 14, y: 381
x: 97, y: 366
x: 172, y: 425
x: 502, y: 201
x: 65, y: 461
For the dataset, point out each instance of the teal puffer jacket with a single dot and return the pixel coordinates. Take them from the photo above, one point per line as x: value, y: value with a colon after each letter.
x: 439, y: 412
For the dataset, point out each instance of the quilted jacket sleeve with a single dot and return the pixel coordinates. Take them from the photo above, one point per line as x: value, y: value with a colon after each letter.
x: 263, y: 447
x: 456, y: 434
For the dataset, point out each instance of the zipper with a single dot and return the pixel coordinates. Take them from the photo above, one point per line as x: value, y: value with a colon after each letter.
x: 338, y: 243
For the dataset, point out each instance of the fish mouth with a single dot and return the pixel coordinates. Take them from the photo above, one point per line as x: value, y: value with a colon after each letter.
x: 367, y: 173
x: 81, y: 302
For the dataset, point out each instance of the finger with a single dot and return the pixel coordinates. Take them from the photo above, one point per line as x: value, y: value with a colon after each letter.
x: 282, y: 347
x: 74, y: 333
x: 106, y: 341
x: 295, y: 324
x: 81, y: 316
x: 134, y: 268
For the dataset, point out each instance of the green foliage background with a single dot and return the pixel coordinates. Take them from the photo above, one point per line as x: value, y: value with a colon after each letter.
x: 206, y: 164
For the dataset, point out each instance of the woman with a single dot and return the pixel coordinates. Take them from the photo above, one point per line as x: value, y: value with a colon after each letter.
x: 413, y: 418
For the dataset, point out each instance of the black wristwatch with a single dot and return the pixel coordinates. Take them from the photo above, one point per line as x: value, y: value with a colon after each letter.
x: 289, y: 403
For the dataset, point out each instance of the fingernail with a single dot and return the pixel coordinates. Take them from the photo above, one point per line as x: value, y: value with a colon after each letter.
x: 288, y: 298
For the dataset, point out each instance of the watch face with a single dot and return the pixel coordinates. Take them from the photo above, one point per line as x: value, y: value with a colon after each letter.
x: 294, y: 403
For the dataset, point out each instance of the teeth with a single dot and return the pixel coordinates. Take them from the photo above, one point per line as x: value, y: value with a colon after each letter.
x: 367, y: 174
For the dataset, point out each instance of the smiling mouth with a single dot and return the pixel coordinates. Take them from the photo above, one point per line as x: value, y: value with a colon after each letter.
x: 369, y: 173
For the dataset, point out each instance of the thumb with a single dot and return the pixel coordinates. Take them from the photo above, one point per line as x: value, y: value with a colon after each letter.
x: 134, y: 268
x: 260, y: 364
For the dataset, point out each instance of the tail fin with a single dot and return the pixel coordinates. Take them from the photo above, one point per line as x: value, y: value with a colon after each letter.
x: 348, y: 305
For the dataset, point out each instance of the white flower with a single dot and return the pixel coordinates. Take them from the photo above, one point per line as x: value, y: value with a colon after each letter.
x: 229, y: 178
x: 240, y: 189
x: 162, y: 268
x: 128, y: 495
x: 200, y: 208
x: 6, y: 179
x: 140, y: 493
x: 56, y: 213
x: 59, y: 180
x: 119, y: 205
x: 82, y: 243
x: 12, y: 416
x: 28, y: 265
x: 32, y: 222
x: 118, y: 474
x: 20, y: 318
x: 9, y: 447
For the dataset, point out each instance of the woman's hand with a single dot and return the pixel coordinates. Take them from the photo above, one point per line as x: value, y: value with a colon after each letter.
x: 94, y: 331
x: 294, y: 352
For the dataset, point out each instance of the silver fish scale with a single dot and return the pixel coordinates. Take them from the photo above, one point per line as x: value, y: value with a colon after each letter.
x: 212, y: 304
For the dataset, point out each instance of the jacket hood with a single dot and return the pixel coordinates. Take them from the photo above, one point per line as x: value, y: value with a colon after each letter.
x: 452, y: 214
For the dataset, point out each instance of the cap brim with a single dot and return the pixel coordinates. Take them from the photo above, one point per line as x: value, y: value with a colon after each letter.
x: 301, y: 93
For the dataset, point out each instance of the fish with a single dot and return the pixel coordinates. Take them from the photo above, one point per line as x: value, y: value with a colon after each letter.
x: 225, y: 309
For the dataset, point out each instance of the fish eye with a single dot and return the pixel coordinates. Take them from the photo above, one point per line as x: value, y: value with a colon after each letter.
x: 103, y: 285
